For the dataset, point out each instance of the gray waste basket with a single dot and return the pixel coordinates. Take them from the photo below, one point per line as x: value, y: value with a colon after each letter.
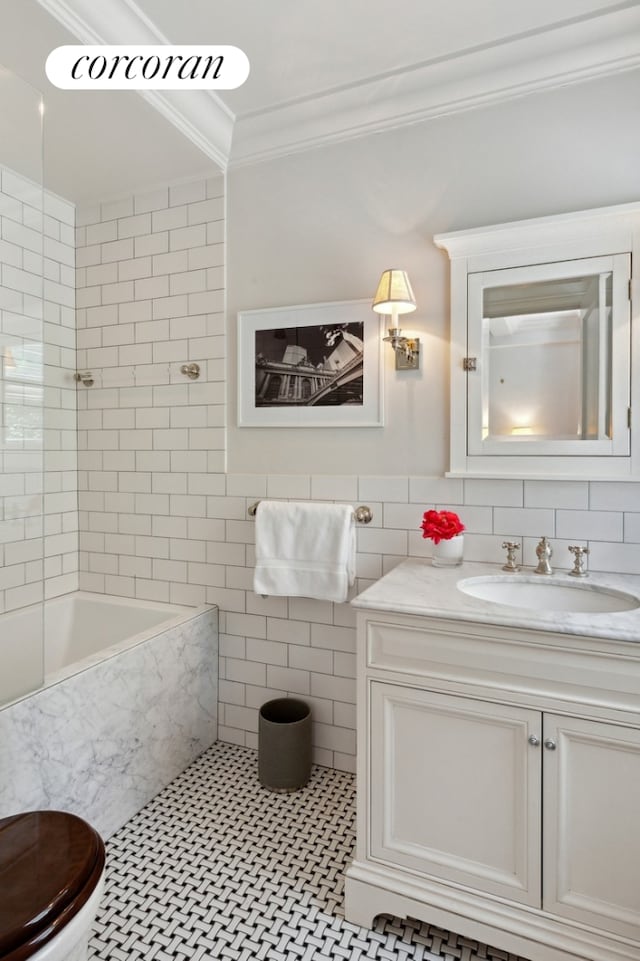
x: 284, y: 744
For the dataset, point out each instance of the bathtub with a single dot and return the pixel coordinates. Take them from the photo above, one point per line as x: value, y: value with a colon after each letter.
x: 129, y: 700
x: 80, y: 629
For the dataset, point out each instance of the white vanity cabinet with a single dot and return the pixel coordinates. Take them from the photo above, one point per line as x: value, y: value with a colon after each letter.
x: 499, y: 785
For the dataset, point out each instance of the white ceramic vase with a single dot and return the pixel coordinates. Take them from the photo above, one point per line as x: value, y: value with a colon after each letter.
x: 448, y: 553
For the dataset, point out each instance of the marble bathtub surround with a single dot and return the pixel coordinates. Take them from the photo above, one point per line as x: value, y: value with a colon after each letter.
x: 103, y: 742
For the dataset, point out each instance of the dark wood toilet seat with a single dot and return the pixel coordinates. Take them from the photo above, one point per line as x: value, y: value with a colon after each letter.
x: 50, y: 864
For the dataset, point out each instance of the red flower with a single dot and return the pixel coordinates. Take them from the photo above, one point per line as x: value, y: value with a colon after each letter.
x: 441, y: 525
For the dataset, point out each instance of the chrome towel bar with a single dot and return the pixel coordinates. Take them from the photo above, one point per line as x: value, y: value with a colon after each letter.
x: 362, y: 514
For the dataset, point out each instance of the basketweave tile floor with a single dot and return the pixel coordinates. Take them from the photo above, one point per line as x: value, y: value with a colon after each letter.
x: 216, y: 866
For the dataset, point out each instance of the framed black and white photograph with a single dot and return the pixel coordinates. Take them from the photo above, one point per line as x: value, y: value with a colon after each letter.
x: 317, y: 365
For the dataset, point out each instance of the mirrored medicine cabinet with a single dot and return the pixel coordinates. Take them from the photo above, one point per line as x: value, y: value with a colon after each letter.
x: 542, y: 347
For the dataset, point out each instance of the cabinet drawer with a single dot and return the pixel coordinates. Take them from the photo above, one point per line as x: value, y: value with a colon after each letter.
x: 496, y: 657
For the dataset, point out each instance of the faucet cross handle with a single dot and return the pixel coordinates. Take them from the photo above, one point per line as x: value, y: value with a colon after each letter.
x: 511, y: 548
x: 579, y: 568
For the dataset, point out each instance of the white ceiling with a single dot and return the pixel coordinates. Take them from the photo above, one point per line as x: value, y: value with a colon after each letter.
x: 321, y: 70
x: 304, y: 48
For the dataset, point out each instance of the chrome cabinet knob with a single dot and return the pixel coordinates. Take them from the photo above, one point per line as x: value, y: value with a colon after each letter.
x: 534, y: 741
x: 550, y: 745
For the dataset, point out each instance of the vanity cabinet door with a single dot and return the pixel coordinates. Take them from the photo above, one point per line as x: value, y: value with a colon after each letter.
x: 591, y: 823
x: 455, y: 789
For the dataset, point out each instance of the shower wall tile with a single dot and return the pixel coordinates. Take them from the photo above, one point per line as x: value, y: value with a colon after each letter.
x: 156, y: 438
x: 39, y: 456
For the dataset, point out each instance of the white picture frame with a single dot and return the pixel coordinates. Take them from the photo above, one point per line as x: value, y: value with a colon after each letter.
x: 315, y: 381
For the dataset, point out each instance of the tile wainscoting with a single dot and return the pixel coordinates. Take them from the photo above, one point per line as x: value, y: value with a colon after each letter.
x: 275, y: 646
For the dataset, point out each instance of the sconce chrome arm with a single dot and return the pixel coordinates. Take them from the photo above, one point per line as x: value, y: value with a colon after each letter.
x: 407, y: 349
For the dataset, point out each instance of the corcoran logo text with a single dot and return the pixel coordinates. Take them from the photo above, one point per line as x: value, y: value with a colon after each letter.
x: 147, y: 67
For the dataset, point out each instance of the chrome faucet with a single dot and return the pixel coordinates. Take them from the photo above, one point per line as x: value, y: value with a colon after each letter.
x: 579, y: 569
x: 511, y: 548
x: 543, y: 553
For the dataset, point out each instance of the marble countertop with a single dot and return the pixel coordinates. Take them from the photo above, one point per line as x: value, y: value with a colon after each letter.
x: 416, y: 587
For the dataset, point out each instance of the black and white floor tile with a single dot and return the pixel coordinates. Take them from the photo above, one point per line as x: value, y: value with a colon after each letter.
x: 218, y: 867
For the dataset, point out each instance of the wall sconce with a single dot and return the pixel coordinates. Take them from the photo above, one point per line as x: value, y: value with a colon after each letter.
x: 394, y: 296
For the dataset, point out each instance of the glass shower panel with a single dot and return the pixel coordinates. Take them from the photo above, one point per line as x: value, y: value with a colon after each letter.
x: 21, y: 388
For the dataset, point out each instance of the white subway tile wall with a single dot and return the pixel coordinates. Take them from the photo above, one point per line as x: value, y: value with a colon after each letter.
x: 150, y: 281
x: 38, y: 492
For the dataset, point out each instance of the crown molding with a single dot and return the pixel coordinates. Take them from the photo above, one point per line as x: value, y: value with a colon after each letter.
x: 573, y: 52
x: 201, y: 117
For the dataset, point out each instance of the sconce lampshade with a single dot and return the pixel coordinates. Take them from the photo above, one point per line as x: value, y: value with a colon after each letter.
x: 394, y: 294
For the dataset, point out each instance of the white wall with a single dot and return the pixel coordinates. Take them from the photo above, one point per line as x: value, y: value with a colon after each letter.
x: 160, y: 517
x: 322, y: 225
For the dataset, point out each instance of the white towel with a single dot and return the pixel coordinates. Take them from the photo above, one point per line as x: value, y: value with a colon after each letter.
x: 305, y: 550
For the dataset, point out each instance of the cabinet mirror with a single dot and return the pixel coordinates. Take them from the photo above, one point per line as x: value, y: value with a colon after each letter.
x: 551, y: 344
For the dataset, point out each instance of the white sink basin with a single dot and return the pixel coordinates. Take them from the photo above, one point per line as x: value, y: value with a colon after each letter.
x: 546, y: 595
